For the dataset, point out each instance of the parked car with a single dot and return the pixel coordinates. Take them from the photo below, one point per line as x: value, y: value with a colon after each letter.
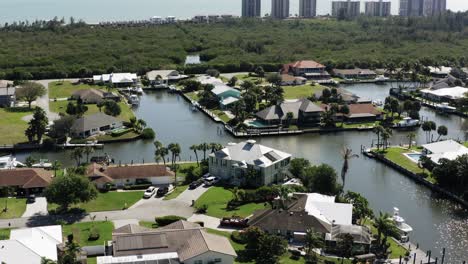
x: 31, y: 198
x: 149, y: 192
x: 195, y: 184
x: 234, y: 222
x: 211, y: 181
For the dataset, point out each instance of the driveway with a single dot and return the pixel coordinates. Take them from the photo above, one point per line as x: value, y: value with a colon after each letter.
x: 191, y: 195
x: 37, y: 208
x: 210, y: 222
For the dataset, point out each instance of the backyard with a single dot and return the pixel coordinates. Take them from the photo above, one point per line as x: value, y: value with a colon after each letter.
x: 301, y: 91
x: 110, y: 201
x: 217, y: 198
x: 65, y: 89
x: 61, y: 107
x: 16, y: 207
x: 12, y: 126
x: 81, y: 232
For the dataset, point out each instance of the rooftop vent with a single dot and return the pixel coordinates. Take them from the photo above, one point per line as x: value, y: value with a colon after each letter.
x: 251, y: 141
x: 231, y: 144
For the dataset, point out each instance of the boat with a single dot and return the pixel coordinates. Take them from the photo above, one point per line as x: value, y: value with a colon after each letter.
x: 106, y: 159
x: 408, y: 122
x: 43, y: 164
x: 9, y: 162
x: 139, y: 90
x: 378, y: 102
x: 445, y: 108
x: 381, y: 79
x: 133, y: 100
x: 195, y: 106
x: 172, y: 89
x: 403, y: 228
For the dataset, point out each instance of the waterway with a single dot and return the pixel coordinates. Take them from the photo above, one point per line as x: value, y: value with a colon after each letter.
x: 94, y: 11
x: 437, y: 222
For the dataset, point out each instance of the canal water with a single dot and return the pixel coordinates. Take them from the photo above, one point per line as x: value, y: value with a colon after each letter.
x: 437, y: 222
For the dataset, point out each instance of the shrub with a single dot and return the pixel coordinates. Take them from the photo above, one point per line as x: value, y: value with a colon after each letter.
x: 237, y: 237
x: 136, y: 187
x: 202, y: 209
x: 201, y: 223
x: 148, y: 133
x: 295, y: 254
x: 48, y: 143
x: 94, y: 234
x: 166, y: 220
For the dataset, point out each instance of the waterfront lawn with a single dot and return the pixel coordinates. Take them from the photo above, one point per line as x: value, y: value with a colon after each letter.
x: 110, y: 201
x: 176, y: 192
x: 92, y: 260
x: 193, y: 95
x: 395, y: 248
x: 5, y: 234
x: 395, y: 154
x: 16, y: 207
x: 61, y: 107
x: 12, y: 126
x: 128, y: 135
x: 221, y: 115
x: 217, y: 198
x: 65, y: 89
x: 301, y: 91
x: 81, y: 232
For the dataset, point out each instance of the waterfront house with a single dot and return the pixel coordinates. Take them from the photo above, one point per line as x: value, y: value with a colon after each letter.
x: 359, y: 113
x: 288, y: 80
x: 179, y: 242
x: 226, y: 95
x: 346, y: 96
x: 362, y: 238
x: 305, y: 113
x: 120, y: 176
x: 451, y: 94
x: 7, y: 94
x: 355, y: 73
x: 440, y: 72
x: 117, y: 79
x: 306, y: 68
x: 30, y: 245
x: 164, y: 77
x: 302, y: 212
x: 237, y: 162
x: 26, y: 180
x: 94, y: 96
x: 448, y: 149
x: 95, y: 124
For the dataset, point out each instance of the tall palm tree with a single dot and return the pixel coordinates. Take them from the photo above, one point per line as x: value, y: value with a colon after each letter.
x: 77, y: 155
x: 204, y: 147
x: 411, y: 136
x: 378, y: 130
x: 312, y: 240
x: 88, y: 150
x: 175, y: 150
x: 385, y: 226
x: 347, y: 154
x: 194, y: 148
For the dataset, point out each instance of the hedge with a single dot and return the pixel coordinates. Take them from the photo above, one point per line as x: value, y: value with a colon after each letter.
x: 166, y: 220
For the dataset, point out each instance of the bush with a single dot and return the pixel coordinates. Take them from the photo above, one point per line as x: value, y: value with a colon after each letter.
x: 166, y: 220
x: 148, y: 133
x: 202, y: 209
x: 295, y: 254
x: 237, y: 237
x: 137, y: 187
x: 202, y: 224
x: 94, y: 234
x: 48, y: 143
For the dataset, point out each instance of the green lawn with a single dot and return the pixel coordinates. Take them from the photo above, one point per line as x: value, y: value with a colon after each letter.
x: 129, y: 135
x: 92, y: 260
x: 5, y: 234
x: 148, y: 224
x: 61, y: 107
x: 466, y: 144
x: 216, y: 198
x: 193, y: 95
x: 301, y: 91
x: 12, y: 127
x: 16, y: 207
x: 396, y: 249
x: 81, y: 232
x: 176, y: 192
x: 65, y: 89
x: 111, y: 201
x: 221, y: 115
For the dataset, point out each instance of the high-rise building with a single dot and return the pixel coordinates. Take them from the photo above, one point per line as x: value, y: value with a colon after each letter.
x: 378, y: 8
x: 251, y: 8
x: 307, y: 8
x: 347, y: 8
x: 279, y: 9
x: 422, y: 7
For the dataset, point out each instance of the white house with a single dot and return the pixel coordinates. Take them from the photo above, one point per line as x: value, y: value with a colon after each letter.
x: 30, y: 245
x: 448, y: 149
x: 116, y: 79
x: 163, y: 77
x: 441, y: 71
x: 445, y: 94
x: 327, y: 211
x: 234, y: 162
x: 90, y: 125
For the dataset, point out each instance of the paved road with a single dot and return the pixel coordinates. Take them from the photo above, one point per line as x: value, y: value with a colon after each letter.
x: 37, y: 208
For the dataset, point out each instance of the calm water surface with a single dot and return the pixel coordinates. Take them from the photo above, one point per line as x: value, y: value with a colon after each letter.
x: 437, y: 222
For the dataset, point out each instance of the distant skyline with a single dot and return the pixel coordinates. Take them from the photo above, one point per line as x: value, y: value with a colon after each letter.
x: 93, y: 11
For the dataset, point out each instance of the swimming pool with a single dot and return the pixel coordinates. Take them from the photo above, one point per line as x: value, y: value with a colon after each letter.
x: 414, y: 156
x: 256, y: 123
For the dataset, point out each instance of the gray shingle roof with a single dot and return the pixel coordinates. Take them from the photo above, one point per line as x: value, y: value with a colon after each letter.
x: 280, y: 111
x: 97, y: 120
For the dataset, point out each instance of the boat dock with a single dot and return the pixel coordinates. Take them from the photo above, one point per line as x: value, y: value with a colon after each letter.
x: 417, y: 255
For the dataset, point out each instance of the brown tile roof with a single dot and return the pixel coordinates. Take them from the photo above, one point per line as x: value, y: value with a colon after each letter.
x: 363, y: 109
x: 25, y: 178
x: 188, y: 242
x: 102, y: 174
x: 306, y: 64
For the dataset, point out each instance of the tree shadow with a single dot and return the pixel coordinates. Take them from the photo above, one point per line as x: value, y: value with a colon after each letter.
x: 56, y: 219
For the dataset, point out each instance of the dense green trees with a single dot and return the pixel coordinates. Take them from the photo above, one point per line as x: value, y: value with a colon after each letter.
x: 453, y: 174
x: 322, y: 178
x: 30, y: 91
x: 112, y: 108
x: 237, y: 45
x: 263, y: 247
x: 37, y: 125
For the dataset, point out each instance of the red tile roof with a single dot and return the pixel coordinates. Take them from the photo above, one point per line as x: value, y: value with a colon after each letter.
x: 25, y: 178
x: 306, y: 64
x: 363, y: 109
x: 102, y: 174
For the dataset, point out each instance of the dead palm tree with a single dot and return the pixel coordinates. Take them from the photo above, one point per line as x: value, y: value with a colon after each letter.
x: 347, y: 154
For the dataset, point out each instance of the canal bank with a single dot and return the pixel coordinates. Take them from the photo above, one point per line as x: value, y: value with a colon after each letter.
x: 438, y: 222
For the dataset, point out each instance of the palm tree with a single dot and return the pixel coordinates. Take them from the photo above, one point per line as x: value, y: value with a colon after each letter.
x: 175, y: 150
x: 194, y: 148
x: 77, y: 155
x: 141, y: 124
x: 387, y: 133
x: 163, y: 151
x: 312, y: 240
x: 88, y: 150
x: 284, y: 195
x: 45, y: 260
x: 347, y: 154
x: 215, y: 147
x: 378, y: 130
x: 385, y: 226
x: 411, y: 136
x: 204, y: 147
x: 442, y: 131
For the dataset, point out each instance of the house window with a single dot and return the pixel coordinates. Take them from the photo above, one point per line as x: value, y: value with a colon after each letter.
x: 276, y: 166
x: 217, y: 260
x: 198, y: 262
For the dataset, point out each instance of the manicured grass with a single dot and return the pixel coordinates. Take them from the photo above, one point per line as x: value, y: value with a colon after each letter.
x: 466, y: 144
x: 193, y: 95
x: 61, y: 107
x: 396, y: 249
x: 81, y: 232
x: 148, y: 224
x: 176, y: 192
x: 221, y: 115
x: 395, y: 154
x: 12, y: 127
x: 217, y: 198
x: 129, y: 135
x: 301, y: 91
x: 5, y: 234
x: 65, y: 89
x: 111, y: 201
x: 16, y: 207
x: 357, y: 125
x: 92, y: 260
